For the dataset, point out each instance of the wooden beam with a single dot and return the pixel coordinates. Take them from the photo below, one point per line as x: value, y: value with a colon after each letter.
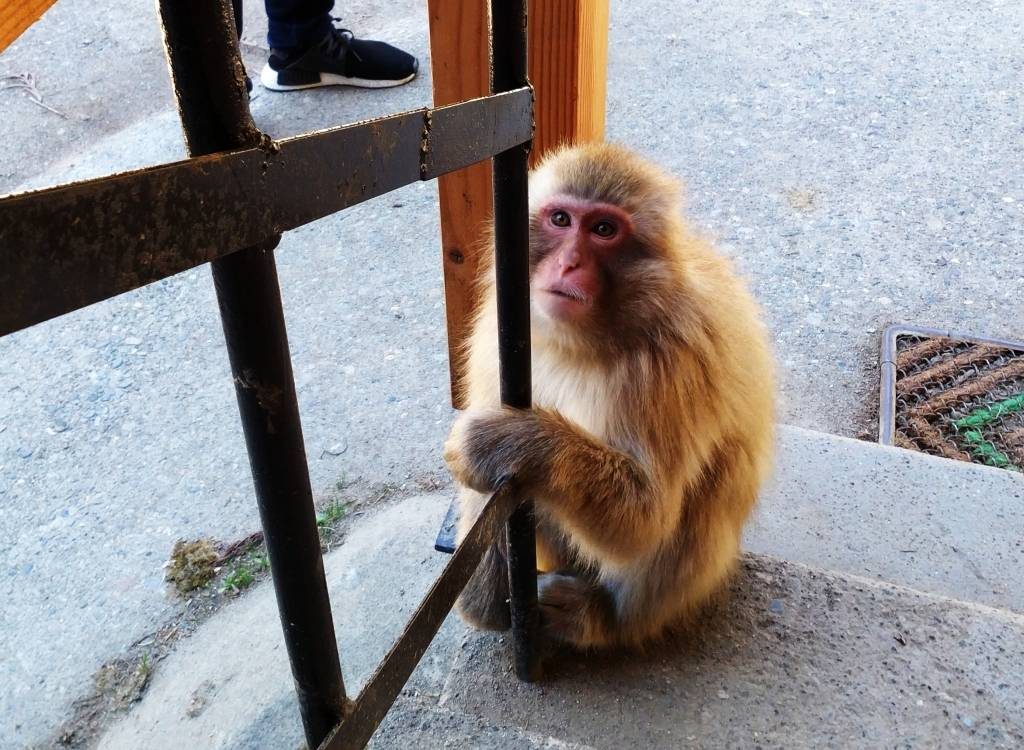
x: 17, y: 16
x: 568, y: 67
x: 568, y: 60
x: 460, y: 65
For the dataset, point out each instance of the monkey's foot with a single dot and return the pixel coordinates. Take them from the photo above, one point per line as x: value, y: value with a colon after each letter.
x: 574, y: 610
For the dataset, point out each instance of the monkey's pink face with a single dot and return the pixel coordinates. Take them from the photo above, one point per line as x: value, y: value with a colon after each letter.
x: 579, y: 241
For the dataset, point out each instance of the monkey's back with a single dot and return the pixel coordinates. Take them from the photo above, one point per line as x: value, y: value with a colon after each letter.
x: 722, y: 440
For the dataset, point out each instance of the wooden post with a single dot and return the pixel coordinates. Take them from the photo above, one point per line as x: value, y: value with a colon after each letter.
x: 568, y: 52
x: 460, y: 65
x: 17, y: 16
x: 568, y: 67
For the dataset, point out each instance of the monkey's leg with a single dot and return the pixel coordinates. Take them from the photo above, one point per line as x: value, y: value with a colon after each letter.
x: 484, y: 601
x: 637, y: 607
x: 586, y: 613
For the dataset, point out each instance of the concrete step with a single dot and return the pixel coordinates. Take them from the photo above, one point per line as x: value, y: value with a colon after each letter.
x: 796, y: 656
x: 936, y: 525
x: 421, y: 724
x: 229, y: 685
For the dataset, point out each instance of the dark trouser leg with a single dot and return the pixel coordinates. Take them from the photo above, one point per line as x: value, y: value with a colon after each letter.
x: 297, y: 23
x: 236, y: 6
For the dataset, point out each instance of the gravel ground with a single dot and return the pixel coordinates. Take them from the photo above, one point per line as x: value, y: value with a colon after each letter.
x: 861, y: 162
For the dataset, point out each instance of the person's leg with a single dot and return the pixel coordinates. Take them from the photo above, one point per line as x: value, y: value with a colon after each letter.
x: 297, y: 23
x: 236, y: 6
x: 307, y: 51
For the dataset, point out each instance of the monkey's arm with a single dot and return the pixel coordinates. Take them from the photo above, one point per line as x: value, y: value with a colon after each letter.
x: 605, y: 495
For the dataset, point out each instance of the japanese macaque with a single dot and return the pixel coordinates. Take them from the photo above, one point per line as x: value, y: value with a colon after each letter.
x: 652, y: 425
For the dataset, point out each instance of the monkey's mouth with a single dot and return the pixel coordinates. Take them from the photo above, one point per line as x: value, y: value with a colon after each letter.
x: 568, y: 292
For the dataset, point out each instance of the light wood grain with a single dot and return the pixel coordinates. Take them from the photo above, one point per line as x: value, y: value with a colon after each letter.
x: 460, y: 65
x: 568, y: 64
x: 568, y: 53
x: 18, y: 15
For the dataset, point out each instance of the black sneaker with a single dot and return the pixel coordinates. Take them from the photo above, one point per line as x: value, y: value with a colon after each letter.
x: 339, y: 60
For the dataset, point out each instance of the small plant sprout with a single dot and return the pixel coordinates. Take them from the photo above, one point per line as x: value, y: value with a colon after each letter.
x: 329, y: 514
x: 243, y: 573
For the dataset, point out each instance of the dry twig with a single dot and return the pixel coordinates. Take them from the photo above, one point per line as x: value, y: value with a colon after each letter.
x: 27, y: 82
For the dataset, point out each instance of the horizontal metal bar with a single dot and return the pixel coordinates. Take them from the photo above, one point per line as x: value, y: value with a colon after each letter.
x: 458, y: 132
x: 392, y: 673
x: 69, y: 246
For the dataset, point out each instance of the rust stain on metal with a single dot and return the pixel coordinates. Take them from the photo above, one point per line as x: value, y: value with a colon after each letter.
x: 425, y: 143
x: 69, y: 246
x: 269, y: 398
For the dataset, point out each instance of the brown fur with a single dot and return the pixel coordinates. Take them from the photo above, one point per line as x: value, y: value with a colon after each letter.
x: 652, y: 428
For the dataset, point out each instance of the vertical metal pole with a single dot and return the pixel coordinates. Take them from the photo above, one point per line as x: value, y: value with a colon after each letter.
x: 209, y: 82
x: 512, y: 269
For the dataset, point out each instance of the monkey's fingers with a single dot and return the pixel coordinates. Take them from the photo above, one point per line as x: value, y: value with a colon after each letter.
x: 463, y: 470
x: 479, y: 451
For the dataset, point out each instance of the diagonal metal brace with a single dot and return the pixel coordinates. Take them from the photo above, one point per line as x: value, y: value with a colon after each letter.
x: 393, y: 672
x: 69, y: 246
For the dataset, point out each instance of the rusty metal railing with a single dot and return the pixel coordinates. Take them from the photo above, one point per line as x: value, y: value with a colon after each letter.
x: 69, y: 246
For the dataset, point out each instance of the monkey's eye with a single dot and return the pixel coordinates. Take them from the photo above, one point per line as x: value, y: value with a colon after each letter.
x: 560, y: 219
x: 604, y: 229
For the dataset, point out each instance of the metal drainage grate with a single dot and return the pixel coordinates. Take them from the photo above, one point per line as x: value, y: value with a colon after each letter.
x: 954, y: 396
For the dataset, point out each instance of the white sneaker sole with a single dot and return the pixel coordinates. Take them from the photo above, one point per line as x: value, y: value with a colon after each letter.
x: 268, y: 77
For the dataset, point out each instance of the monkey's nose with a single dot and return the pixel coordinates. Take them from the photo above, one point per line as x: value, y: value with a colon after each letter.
x: 569, y: 260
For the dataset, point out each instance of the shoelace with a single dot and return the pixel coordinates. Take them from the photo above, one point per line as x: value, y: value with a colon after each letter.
x: 341, y: 42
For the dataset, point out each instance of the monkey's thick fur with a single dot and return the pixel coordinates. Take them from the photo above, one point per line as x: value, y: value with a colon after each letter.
x: 652, y: 428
